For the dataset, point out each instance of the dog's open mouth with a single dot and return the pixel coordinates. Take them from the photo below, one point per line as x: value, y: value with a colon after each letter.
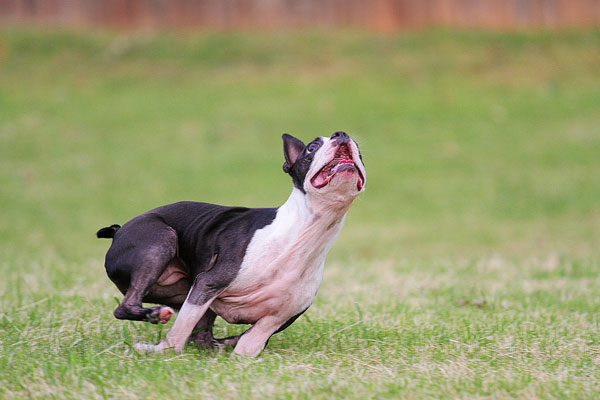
x: 342, y: 161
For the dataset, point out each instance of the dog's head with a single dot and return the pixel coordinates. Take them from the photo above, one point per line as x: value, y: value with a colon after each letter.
x: 326, y: 167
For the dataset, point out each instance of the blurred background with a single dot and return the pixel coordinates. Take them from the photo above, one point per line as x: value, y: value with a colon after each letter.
x: 479, y: 121
x: 371, y: 14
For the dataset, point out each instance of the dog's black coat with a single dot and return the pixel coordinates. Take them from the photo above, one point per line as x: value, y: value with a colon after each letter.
x: 171, y: 232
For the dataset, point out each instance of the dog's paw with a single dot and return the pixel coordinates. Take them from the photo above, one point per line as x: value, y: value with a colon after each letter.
x: 160, y: 315
x: 150, y: 348
x: 144, y: 347
x: 164, y: 314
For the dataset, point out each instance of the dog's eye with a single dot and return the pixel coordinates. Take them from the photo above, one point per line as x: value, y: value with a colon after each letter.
x: 312, y: 147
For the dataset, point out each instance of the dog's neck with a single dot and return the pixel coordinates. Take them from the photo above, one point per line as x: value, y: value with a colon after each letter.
x: 315, y: 223
x: 307, y: 210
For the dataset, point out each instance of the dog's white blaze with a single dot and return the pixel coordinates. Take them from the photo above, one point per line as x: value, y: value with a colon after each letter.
x: 322, y: 157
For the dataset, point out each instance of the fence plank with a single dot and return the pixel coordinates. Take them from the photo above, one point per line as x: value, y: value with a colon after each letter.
x: 371, y: 14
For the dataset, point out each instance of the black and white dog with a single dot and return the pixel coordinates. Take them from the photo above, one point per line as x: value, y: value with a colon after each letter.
x: 259, y: 266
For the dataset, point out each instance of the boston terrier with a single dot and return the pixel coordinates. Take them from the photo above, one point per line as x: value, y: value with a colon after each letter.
x: 258, y: 266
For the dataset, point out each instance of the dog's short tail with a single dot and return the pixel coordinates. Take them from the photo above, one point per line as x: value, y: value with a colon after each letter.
x: 108, y: 232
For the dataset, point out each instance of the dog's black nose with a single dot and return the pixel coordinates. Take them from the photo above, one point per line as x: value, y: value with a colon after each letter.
x: 340, y: 137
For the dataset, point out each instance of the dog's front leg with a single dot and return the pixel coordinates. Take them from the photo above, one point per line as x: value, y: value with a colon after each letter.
x: 201, y: 295
x: 254, y: 340
x: 188, y: 317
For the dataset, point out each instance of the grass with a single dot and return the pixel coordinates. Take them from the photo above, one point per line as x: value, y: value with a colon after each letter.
x: 468, y: 269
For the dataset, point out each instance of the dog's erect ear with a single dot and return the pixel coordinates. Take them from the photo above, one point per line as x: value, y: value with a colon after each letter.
x: 292, y: 147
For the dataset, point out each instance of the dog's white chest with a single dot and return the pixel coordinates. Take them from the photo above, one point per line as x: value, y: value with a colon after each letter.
x: 282, y: 269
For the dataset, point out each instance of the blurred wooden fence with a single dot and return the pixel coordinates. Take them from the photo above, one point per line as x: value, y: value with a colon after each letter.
x: 371, y: 14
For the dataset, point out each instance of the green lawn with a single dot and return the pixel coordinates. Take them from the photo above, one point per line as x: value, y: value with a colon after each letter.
x: 469, y: 268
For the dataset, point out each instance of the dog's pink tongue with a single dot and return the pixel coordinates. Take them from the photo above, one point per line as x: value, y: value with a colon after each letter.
x: 320, y: 179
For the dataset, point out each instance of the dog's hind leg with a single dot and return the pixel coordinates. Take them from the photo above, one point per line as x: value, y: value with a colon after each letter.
x: 145, y: 261
x: 229, y: 341
x: 202, y: 334
x: 131, y: 308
